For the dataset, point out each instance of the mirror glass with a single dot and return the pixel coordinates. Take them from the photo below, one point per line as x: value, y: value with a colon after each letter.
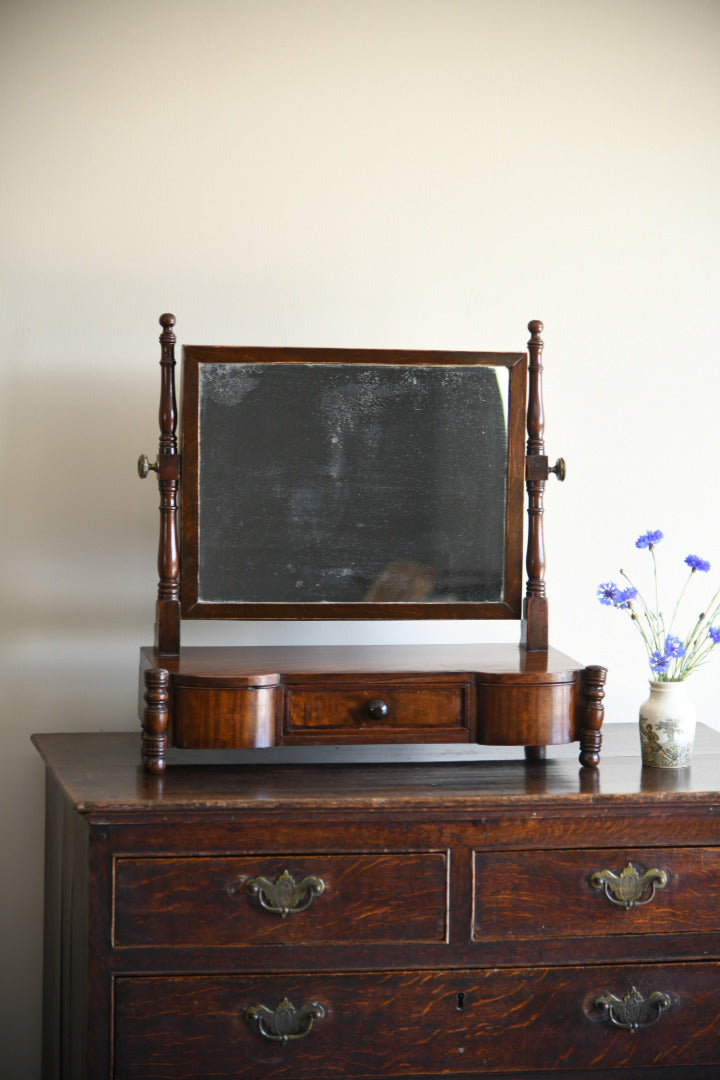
x: 347, y: 484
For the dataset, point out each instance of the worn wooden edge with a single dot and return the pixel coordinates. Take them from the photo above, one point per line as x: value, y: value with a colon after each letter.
x: 103, y: 775
x: 389, y: 661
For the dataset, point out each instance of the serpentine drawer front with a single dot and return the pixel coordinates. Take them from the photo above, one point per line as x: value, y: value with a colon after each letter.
x: 436, y: 920
x: 224, y: 717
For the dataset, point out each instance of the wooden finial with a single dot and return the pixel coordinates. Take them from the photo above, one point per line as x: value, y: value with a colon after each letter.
x: 535, y: 415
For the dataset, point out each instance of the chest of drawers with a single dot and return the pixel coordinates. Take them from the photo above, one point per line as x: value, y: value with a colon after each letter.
x: 461, y: 920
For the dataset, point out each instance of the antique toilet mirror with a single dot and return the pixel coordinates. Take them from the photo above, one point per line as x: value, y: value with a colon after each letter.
x: 355, y: 484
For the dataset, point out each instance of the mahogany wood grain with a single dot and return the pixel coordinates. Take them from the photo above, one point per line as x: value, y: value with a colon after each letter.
x: 528, y: 713
x: 254, y: 661
x: 435, y: 709
x: 224, y: 717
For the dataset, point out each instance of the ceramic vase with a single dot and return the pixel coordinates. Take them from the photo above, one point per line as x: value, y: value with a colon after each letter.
x: 667, y: 726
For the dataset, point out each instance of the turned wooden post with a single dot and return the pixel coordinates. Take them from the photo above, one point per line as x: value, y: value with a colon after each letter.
x: 592, y: 713
x: 167, y: 626
x: 155, y: 719
x: 534, y: 631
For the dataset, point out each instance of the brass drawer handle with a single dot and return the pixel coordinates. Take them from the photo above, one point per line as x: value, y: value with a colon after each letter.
x: 285, y: 896
x: 285, y: 1022
x: 631, y: 1012
x: 627, y: 888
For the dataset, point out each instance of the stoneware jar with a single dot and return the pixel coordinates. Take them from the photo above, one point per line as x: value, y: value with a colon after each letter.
x: 667, y: 726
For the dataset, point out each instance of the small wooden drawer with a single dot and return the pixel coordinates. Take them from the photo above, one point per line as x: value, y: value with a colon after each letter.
x: 427, y: 710
x: 567, y: 894
x: 246, y: 901
x: 225, y: 713
x: 413, y: 1024
x: 524, y: 710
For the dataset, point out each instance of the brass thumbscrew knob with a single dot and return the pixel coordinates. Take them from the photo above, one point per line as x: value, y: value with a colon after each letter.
x: 559, y: 469
x: 144, y: 466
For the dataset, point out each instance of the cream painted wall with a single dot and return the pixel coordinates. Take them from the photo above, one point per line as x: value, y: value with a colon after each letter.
x: 424, y: 173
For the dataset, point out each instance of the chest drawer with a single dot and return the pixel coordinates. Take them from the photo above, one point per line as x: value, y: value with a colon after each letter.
x: 426, y: 709
x: 413, y: 1024
x: 578, y: 893
x: 280, y: 899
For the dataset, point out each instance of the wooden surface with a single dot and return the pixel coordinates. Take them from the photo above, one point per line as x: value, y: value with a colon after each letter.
x: 102, y: 773
x: 416, y: 1009
x: 229, y: 662
x: 453, y: 929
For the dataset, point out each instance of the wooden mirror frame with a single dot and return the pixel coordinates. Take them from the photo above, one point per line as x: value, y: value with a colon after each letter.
x: 178, y: 578
x: 197, y: 359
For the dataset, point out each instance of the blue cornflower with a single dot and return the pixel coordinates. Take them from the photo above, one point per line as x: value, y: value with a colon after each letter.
x: 649, y: 539
x: 608, y: 593
x: 625, y: 597
x: 696, y: 563
x: 674, y: 646
x: 674, y: 657
x: 659, y: 663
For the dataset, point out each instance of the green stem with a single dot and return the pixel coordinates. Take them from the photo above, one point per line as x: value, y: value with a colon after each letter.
x: 654, y: 623
x: 677, y: 605
x: 657, y: 593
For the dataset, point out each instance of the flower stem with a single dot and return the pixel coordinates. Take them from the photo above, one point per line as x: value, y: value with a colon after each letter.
x: 677, y: 605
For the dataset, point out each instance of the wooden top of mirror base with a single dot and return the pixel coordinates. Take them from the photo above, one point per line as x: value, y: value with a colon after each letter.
x: 265, y: 665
